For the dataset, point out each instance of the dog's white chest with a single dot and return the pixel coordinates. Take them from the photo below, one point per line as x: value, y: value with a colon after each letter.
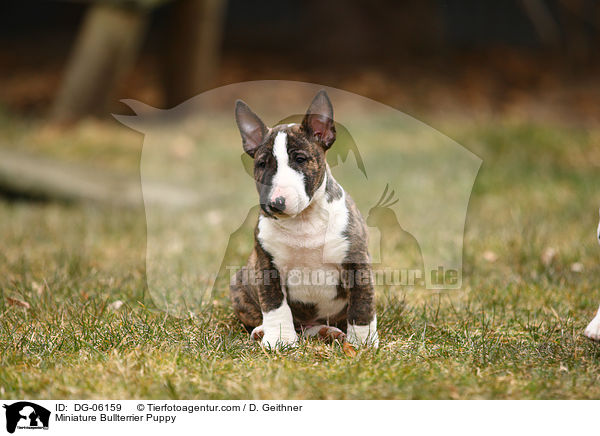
x: 308, y: 251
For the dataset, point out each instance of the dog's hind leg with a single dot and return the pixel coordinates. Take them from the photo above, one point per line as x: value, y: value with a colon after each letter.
x: 324, y: 332
x: 245, y: 301
x: 257, y: 333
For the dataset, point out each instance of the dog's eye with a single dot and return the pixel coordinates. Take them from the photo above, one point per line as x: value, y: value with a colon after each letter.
x: 261, y: 164
x: 300, y: 159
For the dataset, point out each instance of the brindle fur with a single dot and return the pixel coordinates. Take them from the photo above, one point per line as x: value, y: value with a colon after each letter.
x: 256, y: 287
x: 361, y: 305
x: 333, y: 191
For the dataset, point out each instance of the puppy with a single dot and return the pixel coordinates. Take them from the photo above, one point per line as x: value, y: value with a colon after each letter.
x: 592, y: 331
x: 309, y: 272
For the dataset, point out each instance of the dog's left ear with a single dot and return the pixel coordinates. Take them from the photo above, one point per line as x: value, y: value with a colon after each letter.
x: 318, y: 121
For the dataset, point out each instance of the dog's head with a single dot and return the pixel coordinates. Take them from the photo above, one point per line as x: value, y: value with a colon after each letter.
x: 289, y: 160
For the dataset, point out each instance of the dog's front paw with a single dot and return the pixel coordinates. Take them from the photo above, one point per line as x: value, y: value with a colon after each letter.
x: 592, y: 331
x: 363, y: 334
x: 280, y: 338
x: 278, y: 328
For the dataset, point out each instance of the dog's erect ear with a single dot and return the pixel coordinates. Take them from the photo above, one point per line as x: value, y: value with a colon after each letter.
x: 318, y: 121
x: 251, y: 127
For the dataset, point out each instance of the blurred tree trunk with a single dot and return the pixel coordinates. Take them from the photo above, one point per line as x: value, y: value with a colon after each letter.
x: 106, y: 47
x: 192, y: 48
x: 577, y: 18
x: 29, y: 176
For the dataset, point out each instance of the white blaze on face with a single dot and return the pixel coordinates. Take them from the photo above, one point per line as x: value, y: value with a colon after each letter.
x: 287, y: 182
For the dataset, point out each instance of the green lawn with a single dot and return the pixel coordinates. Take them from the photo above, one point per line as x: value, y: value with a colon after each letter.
x: 513, y: 331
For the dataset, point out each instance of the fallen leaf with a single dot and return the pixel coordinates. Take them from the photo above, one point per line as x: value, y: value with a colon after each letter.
x: 349, y: 349
x: 16, y: 302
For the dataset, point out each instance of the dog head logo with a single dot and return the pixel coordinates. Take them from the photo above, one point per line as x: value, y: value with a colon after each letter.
x: 26, y: 415
x: 198, y: 193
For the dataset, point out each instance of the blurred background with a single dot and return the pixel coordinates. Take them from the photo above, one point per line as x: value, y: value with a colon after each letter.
x: 517, y: 82
x: 65, y: 65
x: 65, y: 60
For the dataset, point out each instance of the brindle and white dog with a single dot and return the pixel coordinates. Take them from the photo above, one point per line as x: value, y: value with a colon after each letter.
x: 592, y: 331
x: 309, y: 272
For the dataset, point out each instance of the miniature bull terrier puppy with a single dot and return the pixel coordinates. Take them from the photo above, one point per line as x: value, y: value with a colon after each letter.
x: 309, y: 272
x: 592, y: 331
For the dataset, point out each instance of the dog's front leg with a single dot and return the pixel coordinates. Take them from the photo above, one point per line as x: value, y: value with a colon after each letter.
x: 278, y: 324
x: 362, y: 320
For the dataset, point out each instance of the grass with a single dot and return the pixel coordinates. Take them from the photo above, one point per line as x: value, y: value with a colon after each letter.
x: 513, y: 331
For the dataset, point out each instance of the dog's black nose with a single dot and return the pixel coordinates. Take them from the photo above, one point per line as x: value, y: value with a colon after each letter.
x: 277, y: 205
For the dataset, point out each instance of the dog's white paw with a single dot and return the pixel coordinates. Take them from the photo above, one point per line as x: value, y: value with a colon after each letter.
x: 363, y: 334
x: 280, y: 338
x: 278, y: 327
x: 592, y: 331
x: 273, y: 340
x: 359, y: 338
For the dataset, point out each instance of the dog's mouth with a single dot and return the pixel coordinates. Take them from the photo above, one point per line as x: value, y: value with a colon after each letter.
x: 273, y: 213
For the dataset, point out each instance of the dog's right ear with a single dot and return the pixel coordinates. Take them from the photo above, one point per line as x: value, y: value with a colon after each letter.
x: 318, y: 121
x: 252, y: 129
